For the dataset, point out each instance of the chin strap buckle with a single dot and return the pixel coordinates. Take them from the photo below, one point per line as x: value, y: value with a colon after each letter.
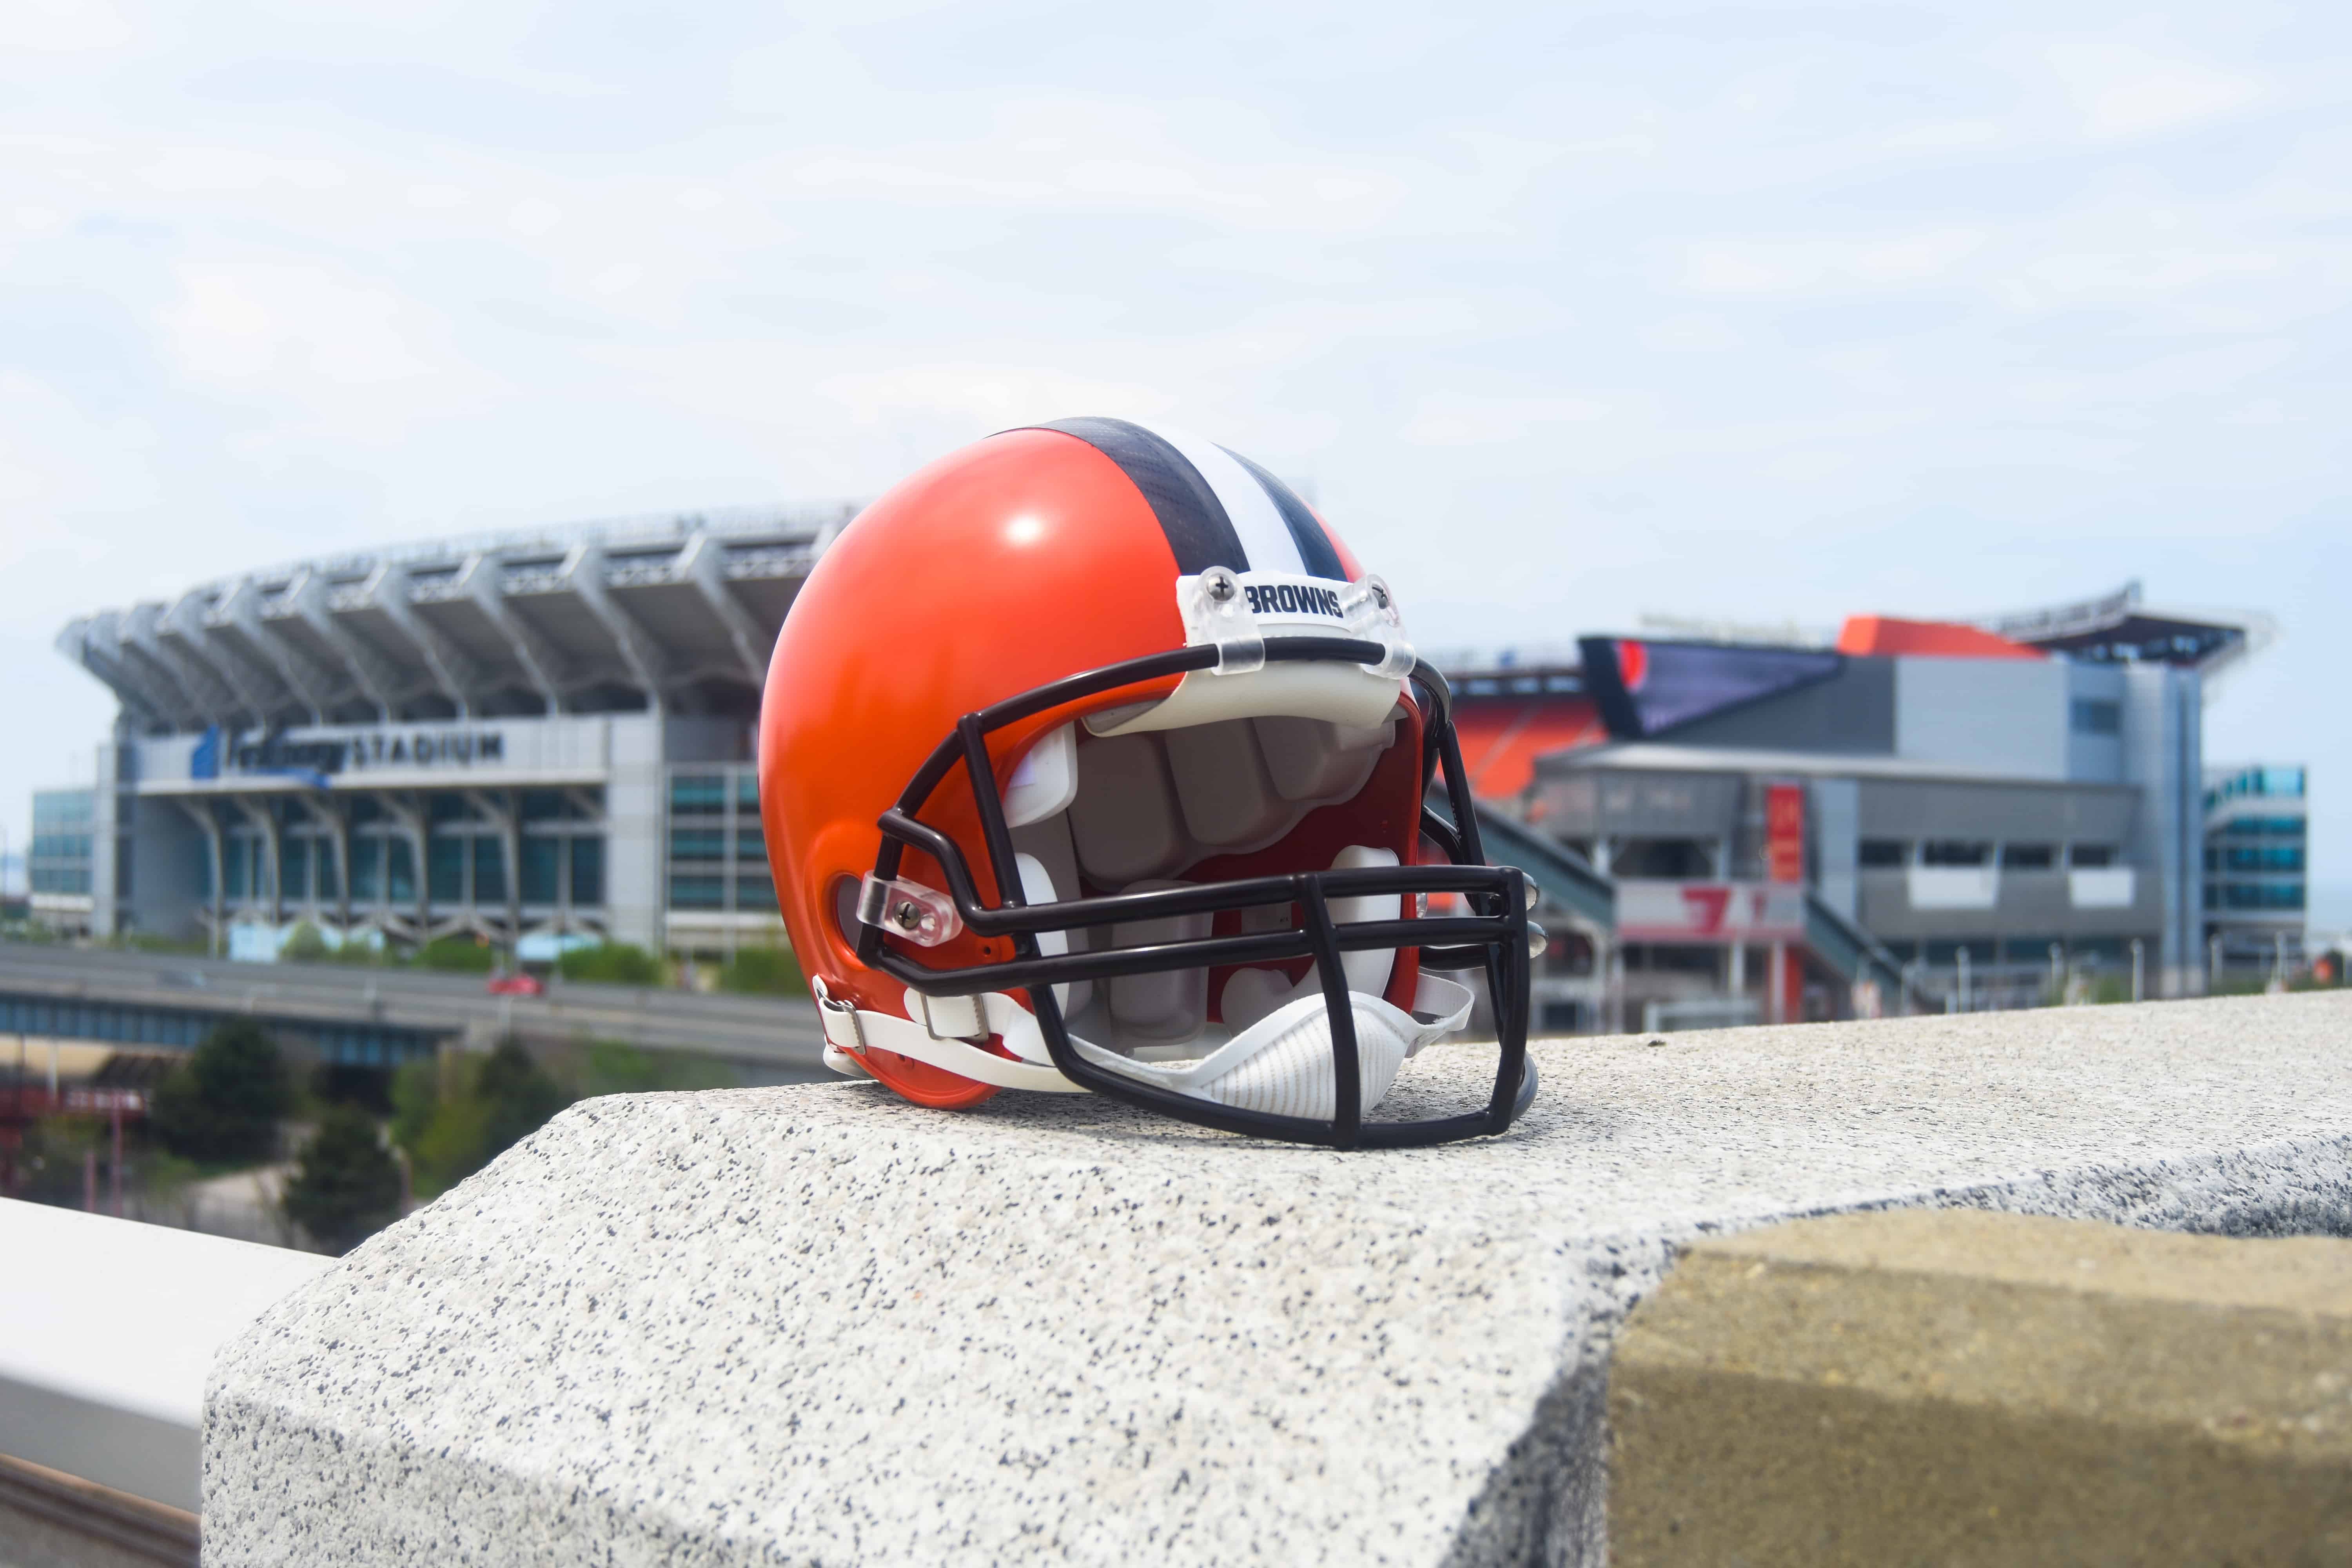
x: 842, y: 1032
x: 949, y: 1017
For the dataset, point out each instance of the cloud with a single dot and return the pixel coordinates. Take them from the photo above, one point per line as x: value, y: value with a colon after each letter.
x: 1458, y: 419
x: 2121, y: 91
x: 985, y: 396
x: 252, y: 321
x: 1794, y: 266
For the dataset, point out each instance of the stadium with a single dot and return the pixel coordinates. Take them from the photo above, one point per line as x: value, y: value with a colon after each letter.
x: 536, y: 737
x: 545, y: 739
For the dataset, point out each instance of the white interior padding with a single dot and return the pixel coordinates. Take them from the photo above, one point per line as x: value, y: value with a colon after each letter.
x: 1125, y: 818
x: 1165, y: 1007
x: 1221, y: 784
x: 1151, y: 805
x: 1314, y: 759
x: 1038, y: 886
x: 1044, y: 780
x: 1135, y: 809
x: 1251, y: 994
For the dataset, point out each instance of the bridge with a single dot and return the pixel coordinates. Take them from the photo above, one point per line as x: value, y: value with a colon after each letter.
x: 380, y: 1018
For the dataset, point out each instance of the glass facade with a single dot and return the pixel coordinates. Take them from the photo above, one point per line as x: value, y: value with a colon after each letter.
x: 718, y: 859
x: 501, y: 851
x: 2256, y: 860
x: 59, y: 857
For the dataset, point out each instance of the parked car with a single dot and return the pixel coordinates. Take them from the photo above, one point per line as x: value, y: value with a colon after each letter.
x: 520, y: 984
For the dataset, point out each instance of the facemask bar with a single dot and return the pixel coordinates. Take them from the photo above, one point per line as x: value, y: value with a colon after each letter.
x: 1494, y: 935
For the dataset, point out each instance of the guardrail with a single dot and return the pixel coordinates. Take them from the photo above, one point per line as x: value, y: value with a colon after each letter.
x: 107, y: 1331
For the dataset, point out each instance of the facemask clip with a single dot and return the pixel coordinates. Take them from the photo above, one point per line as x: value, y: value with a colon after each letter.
x: 1217, y: 611
x: 1372, y: 611
x: 908, y: 910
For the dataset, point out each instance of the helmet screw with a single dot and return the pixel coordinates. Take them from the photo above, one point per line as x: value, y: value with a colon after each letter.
x: 1220, y: 586
x: 1381, y: 594
x: 909, y: 915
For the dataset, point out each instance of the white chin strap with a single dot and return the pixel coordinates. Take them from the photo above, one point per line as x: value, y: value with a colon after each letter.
x: 1281, y: 1064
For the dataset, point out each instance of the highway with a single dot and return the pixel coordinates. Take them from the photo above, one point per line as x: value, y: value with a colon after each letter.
x: 778, y: 1034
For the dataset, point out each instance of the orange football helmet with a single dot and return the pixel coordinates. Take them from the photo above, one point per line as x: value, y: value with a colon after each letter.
x: 1090, y: 760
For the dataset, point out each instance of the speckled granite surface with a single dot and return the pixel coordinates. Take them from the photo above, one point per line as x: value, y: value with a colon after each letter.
x: 815, y: 1325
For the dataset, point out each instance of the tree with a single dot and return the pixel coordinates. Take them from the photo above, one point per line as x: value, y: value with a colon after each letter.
x: 454, y: 1124
x: 462, y: 955
x: 616, y: 962
x: 764, y: 971
x: 520, y: 1099
x: 346, y: 1185
x: 306, y: 943
x: 224, y: 1103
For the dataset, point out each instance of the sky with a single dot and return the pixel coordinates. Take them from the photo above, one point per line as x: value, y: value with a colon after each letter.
x: 1567, y: 313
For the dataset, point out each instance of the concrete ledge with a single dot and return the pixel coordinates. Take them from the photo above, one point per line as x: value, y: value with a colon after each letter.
x: 816, y: 1324
x: 1969, y: 1388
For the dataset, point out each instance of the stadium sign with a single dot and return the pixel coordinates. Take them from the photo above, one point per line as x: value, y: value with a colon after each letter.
x: 315, y: 759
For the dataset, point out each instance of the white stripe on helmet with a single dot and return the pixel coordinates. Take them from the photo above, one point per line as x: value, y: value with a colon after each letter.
x: 1265, y: 536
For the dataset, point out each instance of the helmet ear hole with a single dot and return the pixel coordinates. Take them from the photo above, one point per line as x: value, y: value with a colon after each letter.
x: 844, y: 910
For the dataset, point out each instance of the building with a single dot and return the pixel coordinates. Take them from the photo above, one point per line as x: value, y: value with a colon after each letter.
x: 532, y: 738
x: 2255, y: 836
x: 2001, y: 809
x: 58, y: 860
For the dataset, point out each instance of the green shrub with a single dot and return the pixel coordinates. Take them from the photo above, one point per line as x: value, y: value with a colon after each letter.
x: 613, y: 963
x: 458, y: 954
x: 306, y: 943
x: 456, y: 1118
x: 612, y: 1067
x: 763, y: 972
x: 223, y: 1104
x: 346, y: 1185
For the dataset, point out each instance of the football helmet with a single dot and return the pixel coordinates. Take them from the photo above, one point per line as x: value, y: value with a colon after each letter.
x: 1090, y: 760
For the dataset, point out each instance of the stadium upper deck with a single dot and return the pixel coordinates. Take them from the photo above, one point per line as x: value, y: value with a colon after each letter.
x: 673, y: 615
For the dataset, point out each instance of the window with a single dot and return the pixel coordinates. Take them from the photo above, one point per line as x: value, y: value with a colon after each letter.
x: 696, y: 892
x: 323, y: 851
x: 2097, y: 716
x: 400, y: 871
x: 2087, y: 856
x: 540, y: 857
x: 747, y: 790
x: 691, y: 793
x: 587, y: 872
x: 445, y: 871
x: 2263, y: 857
x: 1954, y: 852
x: 2029, y: 857
x: 239, y: 849
x: 454, y: 808
x: 489, y: 871
x: 755, y: 892
x: 367, y: 870
x: 2261, y: 895
x: 1884, y: 852
x: 749, y: 845
x: 697, y: 844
